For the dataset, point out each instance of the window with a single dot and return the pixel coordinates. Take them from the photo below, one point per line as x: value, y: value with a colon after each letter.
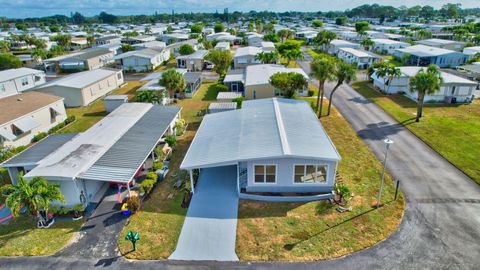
x: 2, y: 87
x: 93, y: 91
x: 24, y: 81
x: 119, y: 75
x: 16, y: 131
x: 265, y: 173
x: 53, y: 115
x: 242, y: 61
x: 308, y: 174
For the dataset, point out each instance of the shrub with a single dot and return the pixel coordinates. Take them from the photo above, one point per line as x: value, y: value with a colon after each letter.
x: 152, y: 176
x: 157, y: 166
x: 70, y: 119
x: 159, y: 151
x: 310, y: 93
x: 171, y: 140
x: 219, y: 87
x: 133, y: 204
x: 39, y: 136
x: 180, y: 123
x: 239, y: 102
x: 146, y: 186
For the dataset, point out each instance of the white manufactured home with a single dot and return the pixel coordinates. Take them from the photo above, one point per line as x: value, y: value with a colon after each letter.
x: 272, y: 146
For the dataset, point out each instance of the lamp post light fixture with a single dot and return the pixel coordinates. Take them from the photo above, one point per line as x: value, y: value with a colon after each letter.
x: 387, y: 142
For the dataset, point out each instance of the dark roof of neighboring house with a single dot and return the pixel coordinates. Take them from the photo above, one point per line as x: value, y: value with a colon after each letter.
x: 191, y: 77
x: 40, y: 150
x: 92, y: 53
x: 16, y: 106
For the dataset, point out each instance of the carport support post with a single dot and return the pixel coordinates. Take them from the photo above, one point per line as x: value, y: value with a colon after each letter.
x: 191, y: 181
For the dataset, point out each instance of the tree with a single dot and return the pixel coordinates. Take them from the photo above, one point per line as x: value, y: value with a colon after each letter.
x: 21, y: 26
x: 186, y: 49
x: 425, y: 83
x: 388, y: 72
x: 269, y: 28
x: 36, y: 195
x: 107, y: 18
x: 219, y: 28
x: 423, y: 34
x: 91, y: 40
x: 55, y: 28
x: 126, y: 48
x: 173, y: 81
x: 341, y: 20
x: 196, y: 28
x: 289, y: 83
x: 221, y: 60
x: 343, y: 72
x: 78, y: 18
x: 290, y: 50
x: 8, y: 61
x: 271, y: 37
x: 317, y: 23
x: 367, y: 43
x: 148, y: 96
x: 321, y: 69
x: 324, y: 38
x: 38, y: 55
x: 55, y: 51
x: 361, y: 26
x: 267, y: 57
x: 4, y: 46
x: 285, y: 34
x: 62, y: 40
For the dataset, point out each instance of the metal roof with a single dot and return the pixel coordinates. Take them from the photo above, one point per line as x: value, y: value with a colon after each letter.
x: 222, y: 106
x: 228, y: 95
x: 38, y: 151
x: 13, y: 73
x: 260, y: 74
x: 426, y: 51
x: 82, y: 79
x: 262, y: 129
x: 124, y: 158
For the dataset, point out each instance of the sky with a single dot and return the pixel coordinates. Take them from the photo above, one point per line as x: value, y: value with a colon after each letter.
x: 40, y: 8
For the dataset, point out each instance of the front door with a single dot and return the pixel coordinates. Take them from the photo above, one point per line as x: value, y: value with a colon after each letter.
x: 234, y: 87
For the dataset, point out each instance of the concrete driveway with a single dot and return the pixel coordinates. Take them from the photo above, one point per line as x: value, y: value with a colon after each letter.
x: 210, y: 227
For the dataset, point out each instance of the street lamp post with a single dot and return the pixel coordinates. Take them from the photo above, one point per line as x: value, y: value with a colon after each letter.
x: 387, y: 142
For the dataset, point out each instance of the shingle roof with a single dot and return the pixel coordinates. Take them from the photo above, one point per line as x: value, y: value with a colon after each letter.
x: 16, y: 106
x: 262, y: 129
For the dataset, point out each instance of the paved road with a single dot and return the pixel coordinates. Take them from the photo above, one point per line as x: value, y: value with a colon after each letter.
x: 440, y: 229
x: 209, y: 231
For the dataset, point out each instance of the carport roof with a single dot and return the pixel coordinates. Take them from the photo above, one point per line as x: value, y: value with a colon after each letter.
x: 38, y: 151
x: 124, y: 158
x: 262, y: 129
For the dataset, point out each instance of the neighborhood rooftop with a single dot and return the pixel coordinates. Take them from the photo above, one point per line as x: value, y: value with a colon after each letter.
x: 10, y: 74
x: 82, y: 79
x: 446, y: 77
x: 260, y: 74
x: 17, y: 106
x: 425, y: 51
x: 264, y: 128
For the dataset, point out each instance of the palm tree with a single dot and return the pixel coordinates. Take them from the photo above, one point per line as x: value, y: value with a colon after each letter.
x: 148, y: 30
x: 293, y: 55
x: 388, y: 72
x: 285, y: 34
x: 36, y: 195
x: 367, y: 43
x: 173, y: 81
x: 267, y: 57
x: 321, y: 69
x: 425, y: 83
x: 343, y: 73
x: 324, y: 38
x: 4, y: 46
x: 148, y: 96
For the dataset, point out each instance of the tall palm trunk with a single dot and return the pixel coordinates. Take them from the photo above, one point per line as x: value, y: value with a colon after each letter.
x: 331, y: 97
x: 321, y: 93
x: 419, y: 107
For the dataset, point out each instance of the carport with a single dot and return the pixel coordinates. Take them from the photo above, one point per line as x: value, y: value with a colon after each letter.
x: 209, y: 229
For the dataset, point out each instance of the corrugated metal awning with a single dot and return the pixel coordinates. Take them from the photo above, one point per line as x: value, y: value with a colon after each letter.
x: 26, y: 124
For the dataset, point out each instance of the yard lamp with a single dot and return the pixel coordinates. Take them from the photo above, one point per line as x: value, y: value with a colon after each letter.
x: 387, y: 142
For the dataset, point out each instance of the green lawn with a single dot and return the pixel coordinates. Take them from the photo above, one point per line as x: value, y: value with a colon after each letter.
x: 315, y: 230
x: 20, y: 237
x: 91, y: 114
x: 451, y: 130
x: 161, y: 218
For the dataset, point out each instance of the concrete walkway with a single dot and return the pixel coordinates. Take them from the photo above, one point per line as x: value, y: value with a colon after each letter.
x: 210, y: 228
